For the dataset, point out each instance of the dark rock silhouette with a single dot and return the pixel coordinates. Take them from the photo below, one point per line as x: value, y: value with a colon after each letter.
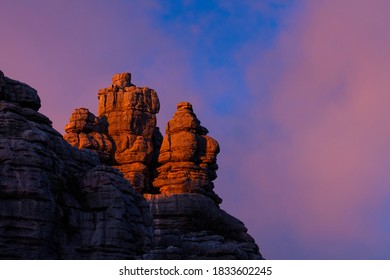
x: 115, y: 189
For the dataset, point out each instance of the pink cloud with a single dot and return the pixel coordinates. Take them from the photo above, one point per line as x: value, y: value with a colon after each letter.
x: 322, y: 172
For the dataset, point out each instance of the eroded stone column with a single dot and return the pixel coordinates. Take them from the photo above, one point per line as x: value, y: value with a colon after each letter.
x: 130, y: 112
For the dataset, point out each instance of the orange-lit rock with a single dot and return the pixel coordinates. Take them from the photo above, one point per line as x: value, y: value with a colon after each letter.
x: 131, y: 112
x: 188, y: 157
x: 86, y: 131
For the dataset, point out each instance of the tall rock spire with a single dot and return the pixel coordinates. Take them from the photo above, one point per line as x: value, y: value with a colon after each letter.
x: 187, y: 156
x: 131, y: 114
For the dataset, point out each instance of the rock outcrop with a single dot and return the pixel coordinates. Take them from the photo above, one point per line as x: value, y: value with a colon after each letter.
x: 115, y: 189
x: 188, y: 157
x: 86, y: 131
x: 56, y: 201
x: 187, y: 219
x: 131, y: 114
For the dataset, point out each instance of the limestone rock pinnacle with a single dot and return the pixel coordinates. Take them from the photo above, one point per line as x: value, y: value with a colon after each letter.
x: 131, y: 112
x: 188, y: 157
x: 86, y: 131
x: 121, y: 80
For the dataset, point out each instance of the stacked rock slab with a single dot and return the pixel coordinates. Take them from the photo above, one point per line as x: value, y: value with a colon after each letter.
x: 188, y: 221
x: 131, y: 114
x: 86, y: 131
x: 56, y: 201
x: 188, y: 157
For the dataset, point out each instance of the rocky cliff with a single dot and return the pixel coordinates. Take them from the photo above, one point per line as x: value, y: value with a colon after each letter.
x: 112, y: 187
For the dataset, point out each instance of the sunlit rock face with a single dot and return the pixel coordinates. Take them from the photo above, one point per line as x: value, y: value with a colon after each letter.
x: 57, y: 201
x: 131, y: 112
x: 116, y: 188
x: 188, y: 157
x: 86, y: 131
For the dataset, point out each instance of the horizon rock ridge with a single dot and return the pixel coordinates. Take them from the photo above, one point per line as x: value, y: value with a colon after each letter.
x: 112, y: 187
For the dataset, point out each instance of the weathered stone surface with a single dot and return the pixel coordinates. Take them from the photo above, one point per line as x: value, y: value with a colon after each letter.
x: 86, y: 131
x: 131, y: 114
x: 121, y: 80
x: 20, y: 93
x: 108, y: 219
x: 188, y: 157
x: 57, y: 201
x: 192, y: 226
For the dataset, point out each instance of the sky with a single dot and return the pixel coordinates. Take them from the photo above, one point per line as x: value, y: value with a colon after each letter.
x: 296, y: 92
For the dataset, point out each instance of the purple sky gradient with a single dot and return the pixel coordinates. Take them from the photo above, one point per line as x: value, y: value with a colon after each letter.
x: 296, y: 93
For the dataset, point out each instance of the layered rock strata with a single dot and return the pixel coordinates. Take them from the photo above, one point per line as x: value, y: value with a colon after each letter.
x: 188, y: 157
x: 57, y: 201
x: 187, y: 219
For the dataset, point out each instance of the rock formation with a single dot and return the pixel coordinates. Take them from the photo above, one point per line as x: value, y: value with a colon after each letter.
x: 131, y: 114
x: 188, y: 221
x: 188, y: 157
x: 86, y: 131
x: 115, y: 189
x: 56, y: 201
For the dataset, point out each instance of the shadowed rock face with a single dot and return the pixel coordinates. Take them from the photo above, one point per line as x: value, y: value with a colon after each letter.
x: 116, y: 189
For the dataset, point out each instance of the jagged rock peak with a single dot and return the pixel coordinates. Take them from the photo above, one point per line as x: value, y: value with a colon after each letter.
x: 130, y: 112
x: 86, y: 131
x: 184, y: 106
x: 82, y: 120
x: 184, y: 119
x: 187, y: 156
x: 121, y: 80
